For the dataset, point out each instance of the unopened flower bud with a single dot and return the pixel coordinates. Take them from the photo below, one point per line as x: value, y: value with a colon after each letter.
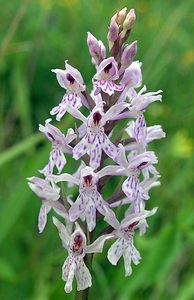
x: 102, y: 49
x: 113, y: 32
x: 92, y: 44
x: 129, y: 20
x: 120, y: 16
x: 132, y: 76
x: 129, y: 54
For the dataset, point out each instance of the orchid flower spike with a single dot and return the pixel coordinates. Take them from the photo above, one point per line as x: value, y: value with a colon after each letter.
x: 78, y: 185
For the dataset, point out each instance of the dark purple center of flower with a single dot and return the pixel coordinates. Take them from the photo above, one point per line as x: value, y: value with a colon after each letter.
x: 51, y: 136
x: 88, y: 180
x: 97, y: 117
x: 78, y: 240
x: 107, y: 68
x: 131, y: 226
x: 70, y: 78
x: 142, y: 165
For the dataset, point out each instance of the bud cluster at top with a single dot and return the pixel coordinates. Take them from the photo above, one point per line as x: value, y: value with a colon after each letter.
x: 116, y: 95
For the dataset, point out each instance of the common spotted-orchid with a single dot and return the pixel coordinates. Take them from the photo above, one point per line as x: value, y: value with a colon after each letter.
x: 105, y: 148
x: 50, y: 194
x: 60, y: 145
x: 71, y: 80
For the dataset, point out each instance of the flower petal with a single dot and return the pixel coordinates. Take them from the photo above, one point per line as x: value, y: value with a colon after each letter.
x: 63, y: 233
x: 64, y: 177
x: 83, y: 277
x: 90, y: 211
x: 98, y: 244
x: 68, y: 274
x: 42, y: 218
x: 81, y: 148
x: 116, y: 251
x: 77, y: 208
x: 109, y: 148
x: 95, y: 154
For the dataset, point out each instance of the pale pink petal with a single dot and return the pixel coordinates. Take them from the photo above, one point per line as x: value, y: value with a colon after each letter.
x: 75, y: 113
x: 98, y: 244
x: 81, y: 148
x: 63, y: 233
x: 63, y: 177
x: 112, y: 170
x: 42, y: 218
x: 116, y: 251
x: 77, y: 208
x: 127, y: 261
x: 95, y: 153
x: 114, y: 111
x: 111, y: 219
x: 83, y: 277
x: 70, y: 270
x: 109, y: 148
x: 136, y: 217
x: 61, y: 77
x: 90, y: 211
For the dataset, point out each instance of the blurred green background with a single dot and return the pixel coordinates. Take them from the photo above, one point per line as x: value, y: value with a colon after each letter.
x: 36, y: 36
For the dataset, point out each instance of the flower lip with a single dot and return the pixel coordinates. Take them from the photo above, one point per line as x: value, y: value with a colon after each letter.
x: 108, y: 68
x: 70, y: 78
x: 97, y: 117
x: 88, y: 180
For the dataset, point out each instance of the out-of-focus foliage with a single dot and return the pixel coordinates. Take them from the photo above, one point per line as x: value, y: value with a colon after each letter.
x: 39, y: 35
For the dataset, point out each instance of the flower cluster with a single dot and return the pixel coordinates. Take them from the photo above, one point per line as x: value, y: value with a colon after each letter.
x: 101, y: 155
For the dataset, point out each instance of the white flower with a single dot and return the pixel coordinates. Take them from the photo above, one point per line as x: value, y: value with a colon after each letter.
x: 124, y: 234
x: 71, y: 80
x: 76, y: 246
x: 60, y: 145
x: 49, y: 193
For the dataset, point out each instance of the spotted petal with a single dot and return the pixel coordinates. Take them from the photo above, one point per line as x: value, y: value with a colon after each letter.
x: 42, y: 218
x: 81, y: 148
x: 83, y: 277
x: 68, y: 272
x: 116, y: 251
x: 77, y: 208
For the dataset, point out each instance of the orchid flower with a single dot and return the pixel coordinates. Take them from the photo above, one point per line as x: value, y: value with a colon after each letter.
x: 49, y: 193
x: 124, y: 233
x: 107, y: 73
x: 76, y: 246
x: 95, y: 139
x: 60, y: 145
x: 89, y: 199
x: 142, y: 134
x: 71, y: 80
x: 131, y: 169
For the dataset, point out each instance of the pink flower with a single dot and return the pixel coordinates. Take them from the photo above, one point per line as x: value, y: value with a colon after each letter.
x: 60, y: 145
x: 71, y: 80
x: 76, y: 246
x: 124, y: 234
x: 95, y: 139
x: 89, y: 199
x: 107, y: 73
x: 49, y: 193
